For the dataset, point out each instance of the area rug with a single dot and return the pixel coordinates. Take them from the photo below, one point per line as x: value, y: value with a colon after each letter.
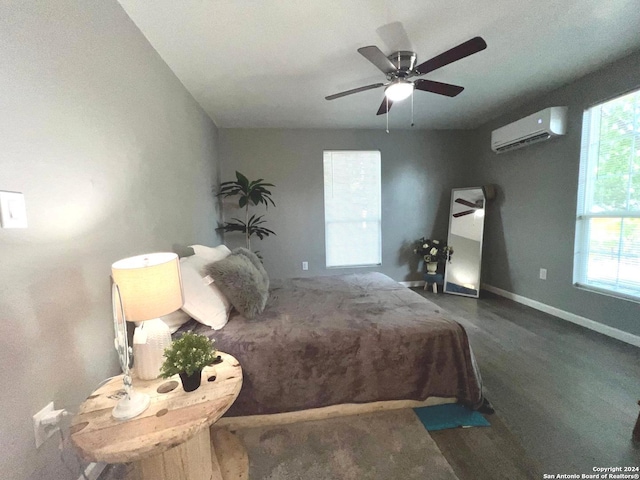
x: 390, y: 445
x: 451, y: 415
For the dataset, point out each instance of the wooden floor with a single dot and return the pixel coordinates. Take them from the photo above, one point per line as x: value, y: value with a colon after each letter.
x: 565, y: 397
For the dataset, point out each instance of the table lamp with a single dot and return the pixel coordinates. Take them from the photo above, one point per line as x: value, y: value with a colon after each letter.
x: 148, y: 286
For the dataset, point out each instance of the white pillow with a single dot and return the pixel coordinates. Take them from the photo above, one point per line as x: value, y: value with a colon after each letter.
x: 175, y: 320
x: 211, y: 254
x: 202, y: 301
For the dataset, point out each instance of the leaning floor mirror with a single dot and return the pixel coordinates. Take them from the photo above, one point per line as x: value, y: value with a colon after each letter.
x: 466, y: 227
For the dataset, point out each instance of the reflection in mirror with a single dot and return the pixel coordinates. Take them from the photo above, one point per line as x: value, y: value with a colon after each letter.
x: 466, y: 227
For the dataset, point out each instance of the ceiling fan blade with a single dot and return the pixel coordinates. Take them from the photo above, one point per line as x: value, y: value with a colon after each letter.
x: 384, y: 106
x: 465, y: 49
x: 462, y: 214
x: 466, y: 203
x: 438, y: 87
x: 379, y: 59
x: 354, y: 90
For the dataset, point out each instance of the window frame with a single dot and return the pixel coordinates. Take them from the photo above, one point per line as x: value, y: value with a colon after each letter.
x: 589, y: 153
x: 378, y: 216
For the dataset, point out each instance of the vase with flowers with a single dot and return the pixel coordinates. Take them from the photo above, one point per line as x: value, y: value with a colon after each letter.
x: 187, y: 356
x: 433, y: 252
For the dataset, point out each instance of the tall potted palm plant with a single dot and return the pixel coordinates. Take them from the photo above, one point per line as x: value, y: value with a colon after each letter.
x: 249, y: 193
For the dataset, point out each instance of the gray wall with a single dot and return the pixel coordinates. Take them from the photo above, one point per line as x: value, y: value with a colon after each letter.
x: 115, y: 158
x: 531, y: 224
x: 418, y: 171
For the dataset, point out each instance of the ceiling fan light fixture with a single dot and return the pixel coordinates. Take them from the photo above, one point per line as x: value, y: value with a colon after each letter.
x: 399, y: 90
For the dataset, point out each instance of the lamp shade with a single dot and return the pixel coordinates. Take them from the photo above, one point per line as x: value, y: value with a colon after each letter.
x: 150, y: 285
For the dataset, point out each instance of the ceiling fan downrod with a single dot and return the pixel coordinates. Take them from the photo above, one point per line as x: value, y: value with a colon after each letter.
x: 412, y: 124
x: 387, y: 115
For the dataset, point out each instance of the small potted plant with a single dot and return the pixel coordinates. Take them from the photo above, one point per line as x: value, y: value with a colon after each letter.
x: 433, y: 252
x: 187, y: 356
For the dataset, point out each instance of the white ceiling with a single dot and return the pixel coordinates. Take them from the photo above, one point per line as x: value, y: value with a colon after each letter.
x: 270, y: 63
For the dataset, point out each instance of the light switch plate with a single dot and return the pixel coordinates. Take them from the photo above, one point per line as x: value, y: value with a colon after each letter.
x: 13, y: 213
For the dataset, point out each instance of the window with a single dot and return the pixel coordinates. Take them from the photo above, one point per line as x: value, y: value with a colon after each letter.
x: 607, y: 249
x: 352, y: 192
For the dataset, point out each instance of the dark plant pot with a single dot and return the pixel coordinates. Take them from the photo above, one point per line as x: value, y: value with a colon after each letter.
x: 191, y: 382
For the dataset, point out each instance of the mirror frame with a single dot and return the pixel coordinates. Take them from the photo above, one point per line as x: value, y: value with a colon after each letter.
x: 446, y: 272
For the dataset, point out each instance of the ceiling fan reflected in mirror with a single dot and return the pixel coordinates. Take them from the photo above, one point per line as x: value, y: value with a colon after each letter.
x: 474, y: 207
x: 400, y: 67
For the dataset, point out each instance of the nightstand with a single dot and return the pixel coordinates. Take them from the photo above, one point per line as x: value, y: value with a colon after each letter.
x: 171, y: 439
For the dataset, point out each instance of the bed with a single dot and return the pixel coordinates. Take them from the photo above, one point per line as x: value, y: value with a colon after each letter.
x: 332, y: 340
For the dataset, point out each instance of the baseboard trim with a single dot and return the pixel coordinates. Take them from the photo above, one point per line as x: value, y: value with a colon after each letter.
x: 568, y: 316
x: 413, y: 283
x: 93, y: 471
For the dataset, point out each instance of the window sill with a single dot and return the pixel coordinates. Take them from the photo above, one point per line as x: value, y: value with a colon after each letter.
x: 608, y: 293
x: 369, y: 265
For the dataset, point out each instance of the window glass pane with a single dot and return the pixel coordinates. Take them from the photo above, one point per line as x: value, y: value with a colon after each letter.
x: 343, y: 251
x: 352, y: 199
x: 629, y: 275
x: 617, y: 116
x: 634, y: 193
x: 617, y: 141
x: 604, y: 243
x: 612, y: 174
x: 614, y: 254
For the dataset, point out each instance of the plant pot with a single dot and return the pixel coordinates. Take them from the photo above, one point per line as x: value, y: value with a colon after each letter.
x: 191, y: 382
x: 432, y: 268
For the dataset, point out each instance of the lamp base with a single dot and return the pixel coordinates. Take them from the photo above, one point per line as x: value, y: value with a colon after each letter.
x: 149, y: 342
x: 131, y: 405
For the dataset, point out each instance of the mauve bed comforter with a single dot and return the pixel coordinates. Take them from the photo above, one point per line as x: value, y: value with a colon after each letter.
x: 346, y: 339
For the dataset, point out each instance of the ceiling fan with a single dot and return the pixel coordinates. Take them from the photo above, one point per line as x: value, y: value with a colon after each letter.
x: 478, y: 204
x: 400, y: 66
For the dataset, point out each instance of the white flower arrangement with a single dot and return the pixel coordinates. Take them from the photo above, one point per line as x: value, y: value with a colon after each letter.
x: 433, y: 250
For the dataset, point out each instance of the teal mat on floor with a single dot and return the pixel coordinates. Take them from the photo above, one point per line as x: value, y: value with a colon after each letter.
x: 450, y: 415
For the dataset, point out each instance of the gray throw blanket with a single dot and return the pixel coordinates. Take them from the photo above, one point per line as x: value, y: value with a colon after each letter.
x: 346, y: 339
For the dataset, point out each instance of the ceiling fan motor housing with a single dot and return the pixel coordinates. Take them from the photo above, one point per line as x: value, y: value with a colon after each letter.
x: 404, y: 62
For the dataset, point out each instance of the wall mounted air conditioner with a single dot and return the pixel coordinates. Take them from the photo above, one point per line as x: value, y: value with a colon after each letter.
x: 543, y: 125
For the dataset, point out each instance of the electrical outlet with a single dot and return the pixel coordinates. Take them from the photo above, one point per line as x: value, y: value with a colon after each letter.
x: 543, y: 274
x: 305, y: 265
x: 41, y: 430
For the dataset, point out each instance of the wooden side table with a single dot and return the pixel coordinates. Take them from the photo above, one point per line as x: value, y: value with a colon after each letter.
x: 171, y: 439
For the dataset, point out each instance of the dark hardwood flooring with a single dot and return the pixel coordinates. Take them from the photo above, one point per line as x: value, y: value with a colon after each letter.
x: 565, y: 397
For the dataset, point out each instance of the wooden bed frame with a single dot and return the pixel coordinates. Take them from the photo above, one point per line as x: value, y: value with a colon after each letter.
x: 346, y: 409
